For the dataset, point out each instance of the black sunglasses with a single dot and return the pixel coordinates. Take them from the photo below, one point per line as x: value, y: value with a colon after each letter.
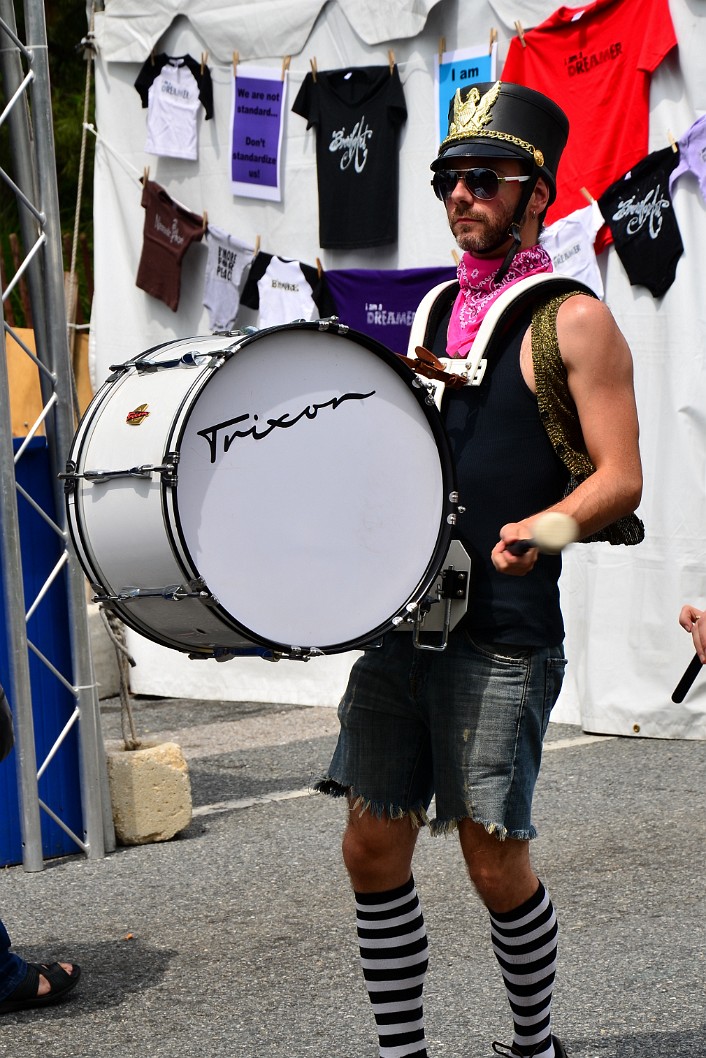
x: 482, y: 183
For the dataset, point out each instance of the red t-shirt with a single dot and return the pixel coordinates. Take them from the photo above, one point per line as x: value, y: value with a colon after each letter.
x: 596, y: 63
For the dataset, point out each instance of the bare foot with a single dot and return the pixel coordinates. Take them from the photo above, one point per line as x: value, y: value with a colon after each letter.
x: 44, y: 986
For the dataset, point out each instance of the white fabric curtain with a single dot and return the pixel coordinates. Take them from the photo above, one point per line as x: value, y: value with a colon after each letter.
x: 128, y: 30
x: 626, y: 651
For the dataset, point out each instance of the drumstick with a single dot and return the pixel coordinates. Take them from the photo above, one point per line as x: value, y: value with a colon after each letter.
x: 690, y: 673
x: 552, y: 532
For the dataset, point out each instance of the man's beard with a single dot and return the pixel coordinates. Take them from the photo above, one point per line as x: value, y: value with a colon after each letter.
x: 489, y: 235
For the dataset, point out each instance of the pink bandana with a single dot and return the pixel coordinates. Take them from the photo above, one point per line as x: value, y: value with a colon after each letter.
x: 478, y: 293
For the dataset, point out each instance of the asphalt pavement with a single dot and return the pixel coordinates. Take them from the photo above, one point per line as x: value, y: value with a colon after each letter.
x: 236, y: 938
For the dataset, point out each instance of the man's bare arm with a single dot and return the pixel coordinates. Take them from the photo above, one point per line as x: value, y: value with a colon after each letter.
x: 600, y: 379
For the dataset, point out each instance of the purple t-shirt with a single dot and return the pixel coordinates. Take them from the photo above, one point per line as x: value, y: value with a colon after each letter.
x: 382, y: 304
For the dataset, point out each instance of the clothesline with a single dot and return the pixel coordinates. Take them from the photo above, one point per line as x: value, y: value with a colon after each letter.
x: 120, y: 157
x: 139, y: 176
x: 407, y: 67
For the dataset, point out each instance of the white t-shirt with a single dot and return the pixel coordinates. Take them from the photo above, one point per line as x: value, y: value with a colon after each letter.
x: 283, y: 291
x: 570, y: 244
x: 226, y: 262
x: 173, y: 88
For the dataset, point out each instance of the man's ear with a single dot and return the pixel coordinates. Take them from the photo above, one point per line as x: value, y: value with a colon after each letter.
x: 540, y: 196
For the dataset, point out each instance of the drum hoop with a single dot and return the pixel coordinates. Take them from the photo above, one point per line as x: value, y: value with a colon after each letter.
x: 446, y: 527
x: 80, y: 537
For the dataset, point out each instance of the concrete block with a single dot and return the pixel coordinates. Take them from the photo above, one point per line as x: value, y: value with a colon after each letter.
x: 150, y: 792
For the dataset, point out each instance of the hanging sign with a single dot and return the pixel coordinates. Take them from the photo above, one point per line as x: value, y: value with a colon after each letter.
x: 259, y: 99
x: 457, y: 69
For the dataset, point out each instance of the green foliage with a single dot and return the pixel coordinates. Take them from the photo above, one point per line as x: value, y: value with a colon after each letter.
x: 67, y: 25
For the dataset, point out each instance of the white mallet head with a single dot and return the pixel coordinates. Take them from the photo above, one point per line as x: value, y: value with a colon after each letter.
x: 553, y: 531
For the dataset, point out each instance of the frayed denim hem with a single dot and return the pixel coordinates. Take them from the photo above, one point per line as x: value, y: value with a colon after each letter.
x: 497, y: 830
x: 417, y: 816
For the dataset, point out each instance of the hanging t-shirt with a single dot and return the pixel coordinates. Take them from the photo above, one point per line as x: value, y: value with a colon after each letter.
x: 357, y: 114
x: 172, y: 88
x: 284, y: 291
x: 638, y: 209
x: 570, y: 244
x: 692, y: 155
x: 596, y: 62
x: 169, y: 231
x: 227, y: 259
x: 382, y: 303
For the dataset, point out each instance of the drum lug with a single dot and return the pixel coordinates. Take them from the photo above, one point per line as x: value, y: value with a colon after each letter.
x: 294, y: 653
x: 69, y: 477
x: 332, y: 323
x: 169, y: 469
x: 188, y: 360
x: 175, y: 592
x: 116, y: 370
x: 434, y: 389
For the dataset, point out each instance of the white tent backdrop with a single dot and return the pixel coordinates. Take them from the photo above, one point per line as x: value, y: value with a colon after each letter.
x: 626, y: 650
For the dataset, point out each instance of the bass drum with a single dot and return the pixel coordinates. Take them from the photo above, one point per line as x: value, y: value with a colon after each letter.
x: 284, y: 493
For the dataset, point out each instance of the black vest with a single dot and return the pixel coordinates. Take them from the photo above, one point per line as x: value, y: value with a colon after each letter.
x: 506, y: 469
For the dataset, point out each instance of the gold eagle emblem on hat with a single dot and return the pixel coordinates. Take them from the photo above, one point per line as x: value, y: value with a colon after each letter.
x: 472, y: 115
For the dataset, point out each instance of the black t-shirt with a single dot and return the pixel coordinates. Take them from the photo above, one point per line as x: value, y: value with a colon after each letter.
x: 638, y: 210
x: 358, y: 114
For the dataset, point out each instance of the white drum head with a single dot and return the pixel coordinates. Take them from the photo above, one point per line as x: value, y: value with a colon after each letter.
x: 311, y: 492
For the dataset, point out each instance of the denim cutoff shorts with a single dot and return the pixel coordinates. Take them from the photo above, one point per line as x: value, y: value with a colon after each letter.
x: 464, y: 726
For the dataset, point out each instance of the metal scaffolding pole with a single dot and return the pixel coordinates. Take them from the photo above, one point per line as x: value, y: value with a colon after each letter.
x: 27, y: 109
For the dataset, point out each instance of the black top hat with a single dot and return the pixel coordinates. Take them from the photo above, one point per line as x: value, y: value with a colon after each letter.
x: 493, y: 120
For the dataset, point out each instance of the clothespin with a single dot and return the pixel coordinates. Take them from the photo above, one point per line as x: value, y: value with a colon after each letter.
x: 442, y: 49
x: 520, y: 33
x: 587, y: 195
x: 493, y: 39
x: 257, y: 246
x: 314, y: 68
x: 204, y: 60
x: 146, y: 174
x: 391, y: 60
x: 319, y: 268
x: 455, y: 257
x: 236, y: 60
x: 673, y: 142
x: 285, y: 64
x: 205, y: 220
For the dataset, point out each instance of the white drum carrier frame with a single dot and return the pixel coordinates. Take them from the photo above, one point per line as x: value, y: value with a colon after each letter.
x: 285, y: 493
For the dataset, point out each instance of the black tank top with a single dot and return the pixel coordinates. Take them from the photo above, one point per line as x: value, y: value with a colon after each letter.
x: 507, y: 470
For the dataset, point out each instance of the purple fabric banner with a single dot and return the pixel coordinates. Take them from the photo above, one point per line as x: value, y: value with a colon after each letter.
x: 382, y: 304
x: 259, y: 100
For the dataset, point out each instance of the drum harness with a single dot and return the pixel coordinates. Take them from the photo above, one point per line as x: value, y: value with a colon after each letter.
x: 438, y: 373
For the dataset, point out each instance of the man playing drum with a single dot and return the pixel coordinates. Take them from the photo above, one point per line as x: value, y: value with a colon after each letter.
x: 552, y: 426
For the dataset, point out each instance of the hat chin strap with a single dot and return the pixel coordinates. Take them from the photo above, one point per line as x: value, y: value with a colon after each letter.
x: 514, y: 229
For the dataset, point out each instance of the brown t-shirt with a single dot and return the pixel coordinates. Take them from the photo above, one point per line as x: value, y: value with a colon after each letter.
x: 169, y: 230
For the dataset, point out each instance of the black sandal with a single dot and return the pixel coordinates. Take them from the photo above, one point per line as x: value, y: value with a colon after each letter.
x: 25, y: 995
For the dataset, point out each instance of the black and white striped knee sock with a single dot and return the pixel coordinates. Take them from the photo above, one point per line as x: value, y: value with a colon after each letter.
x: 525, y: 945
x: 394, y: 957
